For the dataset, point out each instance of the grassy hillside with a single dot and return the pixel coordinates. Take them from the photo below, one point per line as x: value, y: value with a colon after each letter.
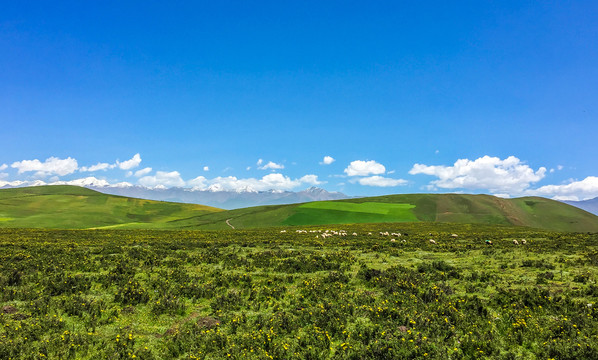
x: 72, y: 207
x: 79, y: 208
x: 456, y: 208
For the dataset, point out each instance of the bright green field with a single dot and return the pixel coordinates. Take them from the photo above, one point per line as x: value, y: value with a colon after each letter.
x: 333, y: 212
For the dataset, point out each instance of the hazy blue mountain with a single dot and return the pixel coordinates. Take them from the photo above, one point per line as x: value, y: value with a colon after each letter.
x: 590, y: 205
x: 223, y: 199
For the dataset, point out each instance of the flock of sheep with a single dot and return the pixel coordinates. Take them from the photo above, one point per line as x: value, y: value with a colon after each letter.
x: 328, y: 233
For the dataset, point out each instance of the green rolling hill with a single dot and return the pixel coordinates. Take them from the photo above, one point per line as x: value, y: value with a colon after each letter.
x: 76, y: 208
x: 455, y: 208
x: 73, y: 207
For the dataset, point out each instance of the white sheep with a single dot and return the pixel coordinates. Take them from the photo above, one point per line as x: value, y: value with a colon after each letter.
x: 515, y: 242
x: 432, y: 241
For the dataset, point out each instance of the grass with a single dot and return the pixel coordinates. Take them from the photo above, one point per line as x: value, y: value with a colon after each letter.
x: 70, y: 207
x: 331, y: 212
x: 455, y: 208
x: 252, y: 294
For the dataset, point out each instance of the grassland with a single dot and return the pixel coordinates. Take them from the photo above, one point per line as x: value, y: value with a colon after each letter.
x: 71, y: 207
x: 262, y: 294
x: 454, y: 208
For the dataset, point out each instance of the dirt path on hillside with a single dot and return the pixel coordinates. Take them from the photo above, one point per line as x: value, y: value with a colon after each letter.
x: 227, y: 223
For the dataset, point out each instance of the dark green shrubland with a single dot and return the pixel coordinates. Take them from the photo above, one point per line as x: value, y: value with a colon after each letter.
x: 264, y: 294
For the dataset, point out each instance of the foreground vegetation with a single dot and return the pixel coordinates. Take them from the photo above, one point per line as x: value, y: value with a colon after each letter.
x: 267, y: 294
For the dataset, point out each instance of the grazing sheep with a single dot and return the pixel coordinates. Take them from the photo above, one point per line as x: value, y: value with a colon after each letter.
x: 403, y: 241
x: 369, y: 233
x: 432, y: 241
x: 455, y: 235
x: 523, y: 241
x: 392, y: 240
x: 283, y: 231
x: 354, y: 234
x: 515, y: 242
x: 488, y: 242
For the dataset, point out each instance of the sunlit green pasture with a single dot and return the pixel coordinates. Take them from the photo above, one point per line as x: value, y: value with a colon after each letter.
x: 283, y: 294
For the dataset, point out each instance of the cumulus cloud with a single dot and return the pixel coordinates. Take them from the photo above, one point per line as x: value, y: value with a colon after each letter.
x: 142, y: 172
x: 575, y: 190
x: 206, y: 168
x: 199, y: 183
x: 97, y: 167
x: 510, y: 175
x: 364, y: 168
x: 310, y: 179
x: 381, y: 181
x: 273, y: 181
x: 270, y: 165
x: 3, y: 167
x: 131, y: 163
x: 163, y: 179
x: 52, y: 166
x: 327, y: 160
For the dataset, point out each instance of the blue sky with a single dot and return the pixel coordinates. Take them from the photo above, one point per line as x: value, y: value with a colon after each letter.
x: 468, y: 96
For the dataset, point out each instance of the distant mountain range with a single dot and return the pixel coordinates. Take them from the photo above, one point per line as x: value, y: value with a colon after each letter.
x: 223, y: 199
x: 212, y: 196
x: 590, y: 205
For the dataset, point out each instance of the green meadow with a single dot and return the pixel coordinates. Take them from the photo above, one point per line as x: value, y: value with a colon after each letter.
x: 332, y: 212
x: 281, y: 294
x: 70, y: 207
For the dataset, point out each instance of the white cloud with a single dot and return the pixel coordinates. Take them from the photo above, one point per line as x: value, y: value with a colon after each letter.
x: 274, y: 181
x: 271, y: 165
x: 131, y: 163
x: 88, y: 181
x: 327, y: 160
x: 199, y: 183
x: 3, y: 175
x: 259, y: 162
x: 206, y: 168
x: 381, y: 181
x: 499, y: 176
x: 163, y: 179
x: 3, y: 167
x: 52, y: 166
x: 19, y: 183
x: 575, y: 190
x: 310, y: 179
x: 364, y: 168
x: 97, y: 167
x: 143, y: 172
